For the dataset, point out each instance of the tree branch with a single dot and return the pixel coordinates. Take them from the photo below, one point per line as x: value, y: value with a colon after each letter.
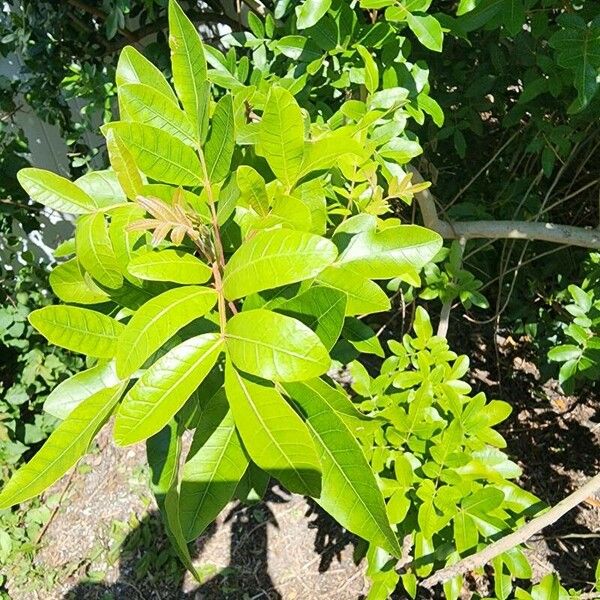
x: 516, y: 230
x: 517, y: 537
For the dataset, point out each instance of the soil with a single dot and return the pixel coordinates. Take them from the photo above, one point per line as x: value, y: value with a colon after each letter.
x: 286, y: 548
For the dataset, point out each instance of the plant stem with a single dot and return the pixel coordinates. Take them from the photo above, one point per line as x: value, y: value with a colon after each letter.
x: 221, y: 299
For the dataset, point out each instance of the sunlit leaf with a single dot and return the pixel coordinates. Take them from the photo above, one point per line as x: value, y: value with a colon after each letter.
x: 273, y: 434
x: 163, y: 388
x: 281, y: 135
x: 274, y: 347
x: 78, y: 329
x: 274, y: 258
x: 169, y: 265
x: 157, y: 320
x: 55, y: 191
x: 65, y: 446
x: 158, y: 154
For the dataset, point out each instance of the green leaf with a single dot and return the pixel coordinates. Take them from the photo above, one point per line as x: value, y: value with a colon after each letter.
x: 71, y: 392
x: 565, y: 352
x: 364, y: 296
x: 124, y: 166
x: 55, y: 191
x: 310, y: 12
x: 212, y: 471
x: 273, y: 434
x: 65, y: 446
x: 253, y: 190
x: 163, y: 451
x: 70, y: 284
x: 483, y: 501
x: 158, y: 154
x: 321, y: 309
x: 281, y: 135
x: 221, y: 141
x: 274, y: 258
x: 513, y: 16
x: 578, y: 49
x: 252, y: 486
x: 134, y: 67
x: 146, y: 105
x: 163, y: 388
x: 427, y: 29
x: 465, y: 532
x: 371, y: 70
x: 78, y: 329
x: 325, y: 152
x: 274, y: 347
x: 391, y: 252
x: 362, y: 337
x: 350, y: 493
x: 95, y: 252
x: 126, y: 244
x: 190, y: 74
x: 157, y: 320
x: 169, y: 265
x: 103, y: 187
x: 332, y: 397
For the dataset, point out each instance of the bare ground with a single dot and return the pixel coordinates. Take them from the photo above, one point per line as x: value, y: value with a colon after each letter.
x: 106, y: 541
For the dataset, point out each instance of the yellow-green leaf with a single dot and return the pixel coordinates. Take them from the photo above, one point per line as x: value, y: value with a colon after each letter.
x: 78, y: 329
x: 55, y: 191
x: 164, y: 388
x: 214, y: 466
x: 158, y: 154
x: 350, y: 493
x: 281, y: 135
x: 144, y: 104
x: 65, y: 446
x: 71, y: 284
x: 274, y: 258
x: 122, y: 162
x: 274, y: 347
x: 133, y: 67
x: 170, y: 265
x: 158, y: 320
x: 273, y: 434
x: 95, y: 252
x: 221, y: 141
x: 189, y: 68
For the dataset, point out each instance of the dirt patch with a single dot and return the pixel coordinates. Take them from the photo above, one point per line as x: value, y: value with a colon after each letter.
x: 555, y: 439
x: 106, y: 541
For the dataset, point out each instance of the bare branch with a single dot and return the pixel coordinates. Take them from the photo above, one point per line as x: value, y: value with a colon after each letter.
x: 516, y: 230
x: 517, y: 537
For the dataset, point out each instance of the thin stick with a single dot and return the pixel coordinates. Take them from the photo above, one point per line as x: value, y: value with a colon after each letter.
x: 517, y: 537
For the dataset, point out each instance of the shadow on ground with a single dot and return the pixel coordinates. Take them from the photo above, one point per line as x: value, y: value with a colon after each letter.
x: 149, y: 569
x: 555, y: 439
